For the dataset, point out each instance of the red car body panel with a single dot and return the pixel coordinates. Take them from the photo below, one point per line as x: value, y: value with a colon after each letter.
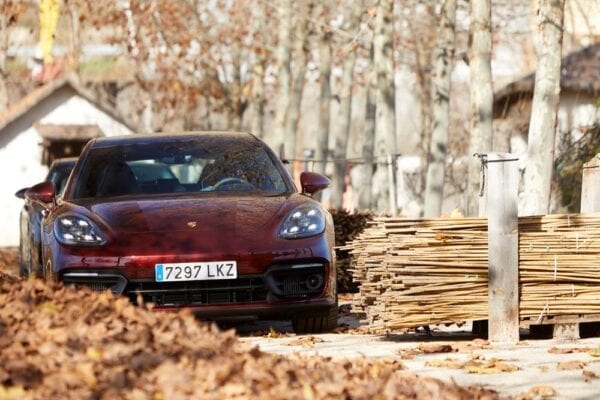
x: 142, y: 231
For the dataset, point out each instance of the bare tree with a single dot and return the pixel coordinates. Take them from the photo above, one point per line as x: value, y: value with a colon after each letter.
x: 258, y: 85
x: 363, y: 173
x: 345, y: 113
x: 434, y: 191
x: 10, y: 12
x: 275, y: 138
x: 74, y: 49
x: 544, y: 109
x: 481, y: 95
x: 301, y: 50
x: 385, y: 119
x: 322, y: 139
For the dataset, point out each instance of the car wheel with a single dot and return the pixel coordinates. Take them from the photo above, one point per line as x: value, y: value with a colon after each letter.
x: 23, y: 265
x: 316, y: 323
x: 35, y: 263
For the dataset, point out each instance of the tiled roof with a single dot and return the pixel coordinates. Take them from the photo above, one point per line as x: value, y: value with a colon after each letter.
x: 580, y: 73
x: 21, y: 107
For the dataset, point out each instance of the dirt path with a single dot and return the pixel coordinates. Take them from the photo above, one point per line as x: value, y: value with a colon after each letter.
x: 532, y: 369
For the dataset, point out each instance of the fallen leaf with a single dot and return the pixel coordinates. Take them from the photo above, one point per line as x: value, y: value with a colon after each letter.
x: 407, y: 354
x: 493, y: 366
x: 12, y: 392
x: 568, y: 350
x: 445, y: 363
x: 475, y: 344
x: 475, y: 356
x: 540, y: 391
x: 308, y: 392
x: 305, y: 341
x: 429, y: 348
x: 93, y: 353
x: 273, y: 334
x: 588, y: 376
x: 570, y: 365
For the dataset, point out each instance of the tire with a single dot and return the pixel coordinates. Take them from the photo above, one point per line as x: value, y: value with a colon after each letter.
x: 23, y: 269
x: 316, y: 323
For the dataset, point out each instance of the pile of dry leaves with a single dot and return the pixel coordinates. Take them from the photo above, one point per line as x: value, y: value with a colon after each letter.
x: 58, y: 342
x: 9, y: 259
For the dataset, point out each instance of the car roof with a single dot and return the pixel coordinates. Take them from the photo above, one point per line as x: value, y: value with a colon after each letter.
x: 157, y: 138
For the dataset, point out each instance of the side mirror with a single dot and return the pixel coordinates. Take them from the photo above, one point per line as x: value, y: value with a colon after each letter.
x: 312, y: 183
x: 21, y: 193
x: 42, y: 192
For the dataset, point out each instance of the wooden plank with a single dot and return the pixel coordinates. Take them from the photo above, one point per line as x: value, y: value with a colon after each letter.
x: 590, y: 186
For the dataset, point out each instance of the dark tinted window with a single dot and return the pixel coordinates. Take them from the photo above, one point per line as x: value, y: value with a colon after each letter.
x: 59, y: 175
x: 195, y: 166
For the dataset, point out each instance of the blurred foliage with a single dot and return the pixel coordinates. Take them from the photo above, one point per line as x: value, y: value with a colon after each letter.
x: 569, y: 166
x: 347, y: 228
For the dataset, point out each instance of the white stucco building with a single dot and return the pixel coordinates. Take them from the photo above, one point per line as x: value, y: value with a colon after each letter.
x: 54, y: 120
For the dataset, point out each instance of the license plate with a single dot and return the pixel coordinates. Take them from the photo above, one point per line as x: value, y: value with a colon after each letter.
x: 195, y: 271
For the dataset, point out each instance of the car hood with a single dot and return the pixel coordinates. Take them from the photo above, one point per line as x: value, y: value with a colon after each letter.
x: 226, y: 215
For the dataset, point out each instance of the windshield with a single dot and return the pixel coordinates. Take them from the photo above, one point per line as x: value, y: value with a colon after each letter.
x: 59, y: 174
x: 195, y: 166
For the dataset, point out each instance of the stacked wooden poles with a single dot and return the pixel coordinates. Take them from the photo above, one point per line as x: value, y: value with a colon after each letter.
x: 431, y: 271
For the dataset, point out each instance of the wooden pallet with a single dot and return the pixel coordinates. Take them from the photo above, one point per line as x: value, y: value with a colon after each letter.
x: 559, y: 319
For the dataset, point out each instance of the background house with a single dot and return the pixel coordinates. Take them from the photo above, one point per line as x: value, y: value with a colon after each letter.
x: 579, y: 107
x: 53, y: 121
x: 579, y: 102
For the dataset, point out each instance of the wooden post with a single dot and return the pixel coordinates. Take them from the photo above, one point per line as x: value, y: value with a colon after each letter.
x: 590, y: 202
x: 391, y: 171
x: 590, y: 186
x: 503, y: 247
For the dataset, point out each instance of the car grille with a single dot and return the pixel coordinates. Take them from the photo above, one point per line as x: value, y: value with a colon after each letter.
x: 180, y: 294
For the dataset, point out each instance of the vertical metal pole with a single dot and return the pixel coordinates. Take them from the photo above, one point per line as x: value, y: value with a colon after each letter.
x: 590, y: 186
x: 503, y: 247
x: 393, y: 206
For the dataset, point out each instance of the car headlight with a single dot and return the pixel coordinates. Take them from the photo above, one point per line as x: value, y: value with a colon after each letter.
x: 304, y: 221
x: 79, y: 231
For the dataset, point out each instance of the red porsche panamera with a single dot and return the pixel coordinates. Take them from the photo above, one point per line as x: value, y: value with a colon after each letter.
x: 206, y: 220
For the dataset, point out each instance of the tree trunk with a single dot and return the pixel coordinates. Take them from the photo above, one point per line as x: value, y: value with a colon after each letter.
x: 275, y: 136
x: 345, y: 114
x: 481, y: 95
x: 3, y: 51
x: 257, y: 124
x: 322, y: 139
x: 74, y: 37
x: 434, y: 191
x: 258, y: 95
x: 385, y: 118
x: 544, y: 109
x: 237, y: 100
x: 363, y: 174
x: 301, y: 50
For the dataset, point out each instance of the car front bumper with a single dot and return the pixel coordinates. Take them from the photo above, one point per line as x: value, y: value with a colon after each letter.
x: 279, y: 292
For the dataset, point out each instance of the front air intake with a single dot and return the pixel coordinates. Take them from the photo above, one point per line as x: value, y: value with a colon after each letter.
x: 296, y: 280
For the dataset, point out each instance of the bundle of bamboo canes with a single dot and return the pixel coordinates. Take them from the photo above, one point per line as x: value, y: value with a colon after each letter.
x: 431, y: 271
